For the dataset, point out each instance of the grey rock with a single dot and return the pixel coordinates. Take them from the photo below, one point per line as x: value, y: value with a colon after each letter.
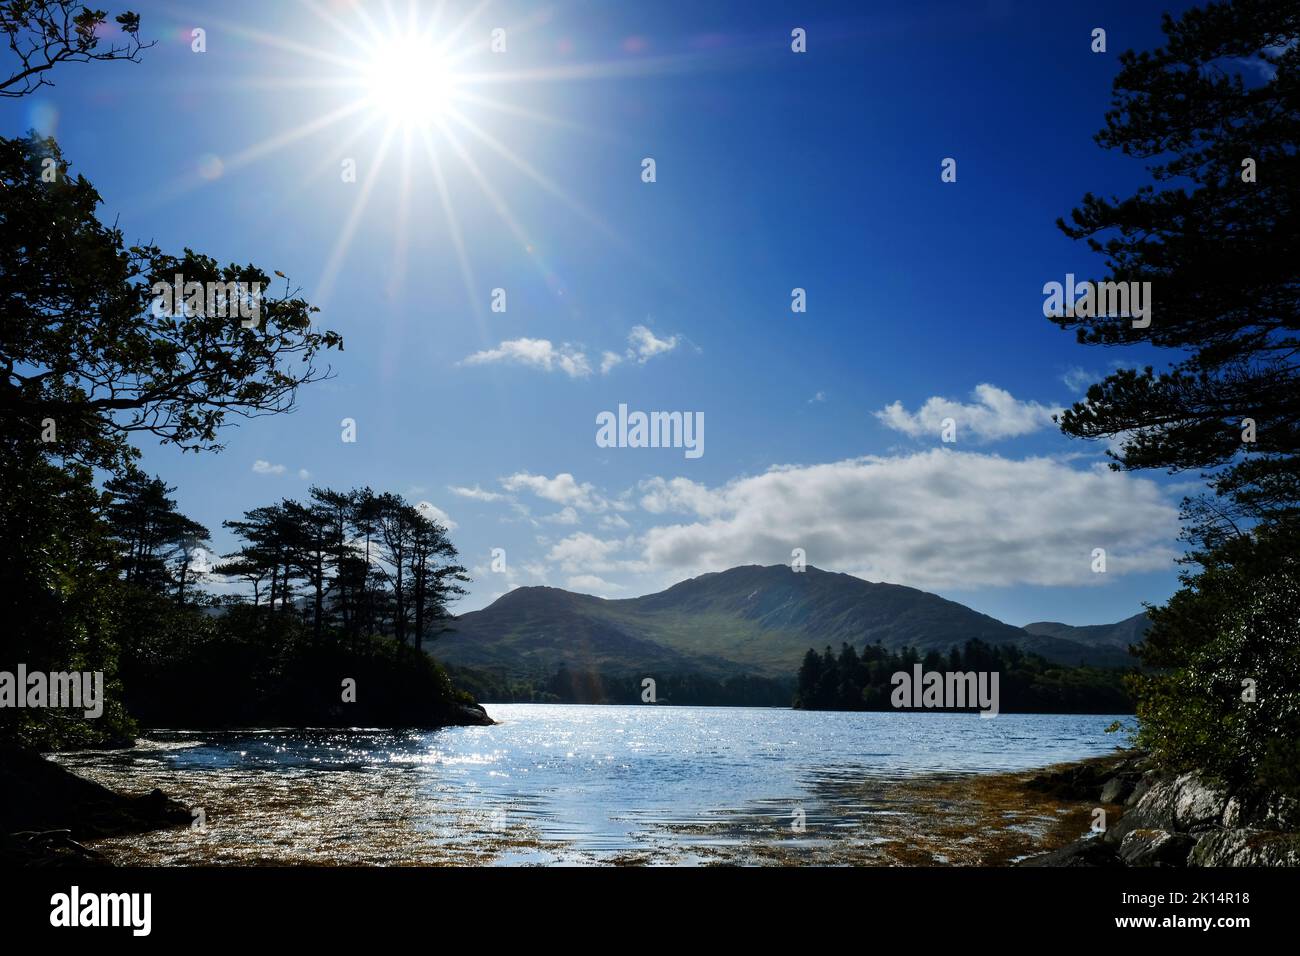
x: 1139, y: 790
x: 1154, y: 811
x: 1116, y: 790
x: 1261, y: 810
x: 472, y: 715
x: 1232, y: 812
x: 1198, y: 804
x: 1241, y: 847
x: 1155, y: 848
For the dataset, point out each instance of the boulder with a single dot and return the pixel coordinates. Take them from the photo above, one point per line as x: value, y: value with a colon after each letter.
x: 38, y: 795
x: 1154, y: 811
x: 1198, y: 804
x: 1139, y: 790
x: 45, y: 811
x: 1089, y: 851
x: 1116, y: 789
x: 471, y: 715
x: 1241, y: 847
x: 1262, y: 810
x: 1155, y: 848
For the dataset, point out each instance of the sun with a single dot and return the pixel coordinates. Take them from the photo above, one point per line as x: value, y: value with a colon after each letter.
x: 410, y: 81
x: 416, y: 85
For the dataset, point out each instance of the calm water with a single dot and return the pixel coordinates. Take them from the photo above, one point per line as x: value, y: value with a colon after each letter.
x: 570, y: 784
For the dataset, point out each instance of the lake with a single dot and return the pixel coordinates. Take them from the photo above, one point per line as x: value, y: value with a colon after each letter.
x: 574, y: 784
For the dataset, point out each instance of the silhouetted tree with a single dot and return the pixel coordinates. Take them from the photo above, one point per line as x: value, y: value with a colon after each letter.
x: 1215, y: 112
x: 1222, y: 254
x: 41, y: 34
x: 156, y: 542
x: 83, y: 347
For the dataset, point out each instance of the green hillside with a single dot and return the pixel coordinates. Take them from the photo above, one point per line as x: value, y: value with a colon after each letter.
x: 747, y: 620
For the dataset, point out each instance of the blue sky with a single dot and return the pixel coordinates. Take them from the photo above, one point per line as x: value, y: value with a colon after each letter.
x: 774, y: 170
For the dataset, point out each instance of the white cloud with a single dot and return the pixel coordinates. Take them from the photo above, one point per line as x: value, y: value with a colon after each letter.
x: 563, y: 516
x: 563, y: 489
x: 591, y: 584
x: 304, y: 474
x: 263, y: 467
x: 819, y: 397
x: 660, y: 496
x: 434, y: 513
x: 613, y: 522
x: 938, y: 519
x: 995, y: 414
x: 476, y: 493
x: 1077, y: 379
x: 543, y: 354
x: 643, y: 345
x: 585, y: 553
x: 535, y: 353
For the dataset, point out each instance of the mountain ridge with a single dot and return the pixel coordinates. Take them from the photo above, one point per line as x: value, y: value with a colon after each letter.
x: 751, y: 619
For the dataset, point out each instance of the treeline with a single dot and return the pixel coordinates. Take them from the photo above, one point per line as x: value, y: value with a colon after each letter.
x: 363, y: 562
x: 1027, y: 683
x: 356, y: 562
x: 575, y: 686
x: 342, y: 593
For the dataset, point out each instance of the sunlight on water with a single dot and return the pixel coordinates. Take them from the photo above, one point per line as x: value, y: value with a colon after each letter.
x: 575, y: 784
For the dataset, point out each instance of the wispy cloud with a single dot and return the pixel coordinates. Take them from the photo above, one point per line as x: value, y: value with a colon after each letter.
x: 535, y: 353
x: 1077, y: 379
x: 644, y: 345
x: 476, y: 493
x: 545, y: 355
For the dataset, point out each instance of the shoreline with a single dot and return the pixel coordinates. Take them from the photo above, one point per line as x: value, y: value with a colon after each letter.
x: 999, y: 818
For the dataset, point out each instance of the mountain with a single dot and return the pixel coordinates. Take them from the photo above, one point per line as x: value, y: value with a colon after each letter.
x: 1129, y: 631
x: 748, y: 620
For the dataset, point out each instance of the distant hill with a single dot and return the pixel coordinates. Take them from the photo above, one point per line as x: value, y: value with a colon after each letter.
x: 748, y: 620
x: 1127, y: 632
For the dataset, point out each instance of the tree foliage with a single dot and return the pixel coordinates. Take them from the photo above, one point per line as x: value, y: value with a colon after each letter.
x: 1215, y: 114
x: 86, y: 363
x: 84, y: 346
x: 41, y: 34
x: 368, y: 563
x: 1222, y: 254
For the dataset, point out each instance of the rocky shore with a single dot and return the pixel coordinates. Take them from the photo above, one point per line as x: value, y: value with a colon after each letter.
x: 47, y: 813
x: 1154, y: 818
